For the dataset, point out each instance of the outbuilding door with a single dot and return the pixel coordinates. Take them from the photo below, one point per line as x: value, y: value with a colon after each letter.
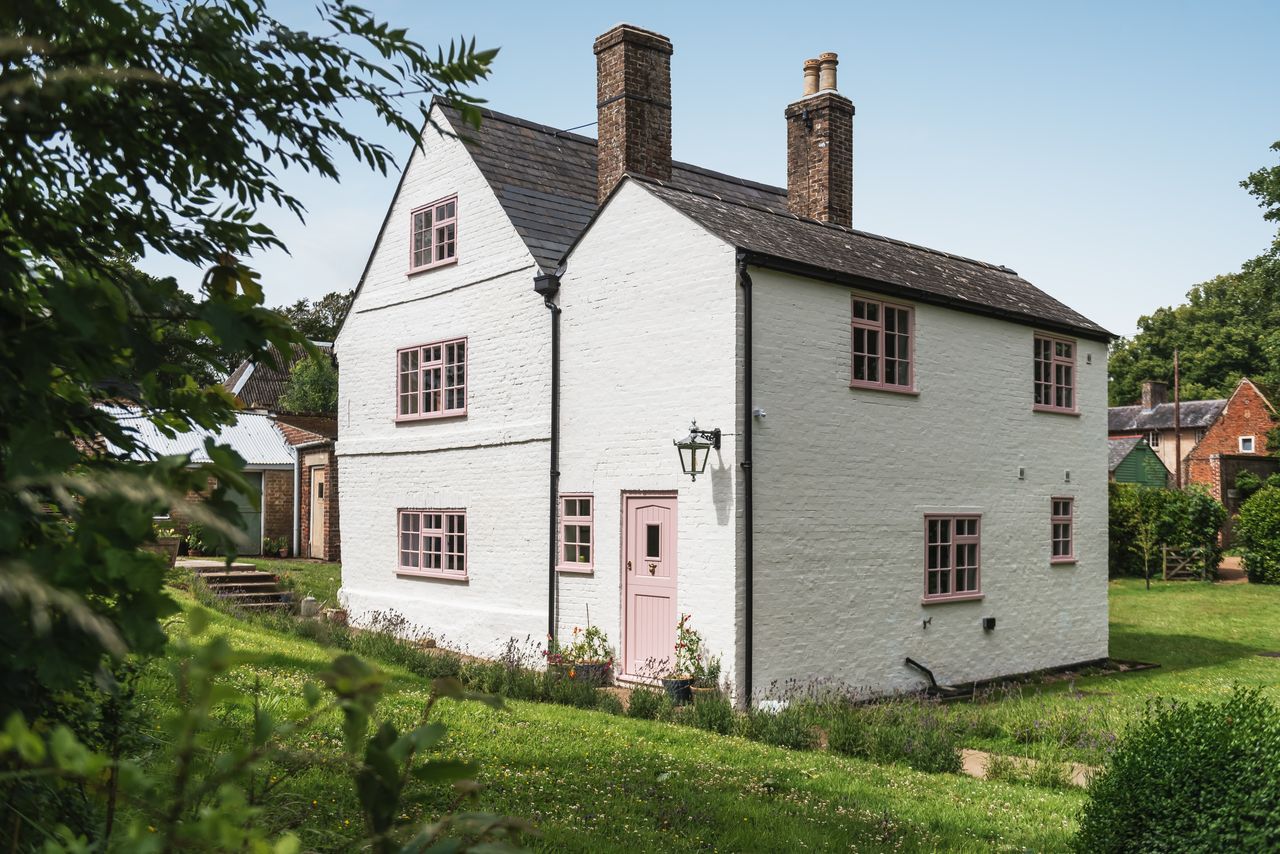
x: 316, y: 523
x: 649, y: 583
x: 250, y: 516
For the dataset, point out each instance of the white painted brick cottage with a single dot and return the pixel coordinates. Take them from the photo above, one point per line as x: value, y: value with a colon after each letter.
x: 914, y: 444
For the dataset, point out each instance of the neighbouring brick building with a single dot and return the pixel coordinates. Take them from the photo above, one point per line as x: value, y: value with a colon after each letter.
x: 312, y: 438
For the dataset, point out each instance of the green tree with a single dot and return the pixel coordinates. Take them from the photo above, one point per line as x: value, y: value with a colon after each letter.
x: 1228, y: 328
x: 313, y: 386
x: 134, y: 126
x: 319, y: 320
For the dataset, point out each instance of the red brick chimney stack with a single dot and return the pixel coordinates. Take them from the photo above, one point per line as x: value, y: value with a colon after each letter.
x: 1154, y: 393
x: 820, y: 147
x: 633, y: 103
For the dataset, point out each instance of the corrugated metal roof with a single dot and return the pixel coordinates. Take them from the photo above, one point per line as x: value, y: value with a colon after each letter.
x: 253, y: 436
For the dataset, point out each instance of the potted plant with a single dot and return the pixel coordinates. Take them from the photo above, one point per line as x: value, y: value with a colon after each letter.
x: 588, y: 656
x: 166, y: 544
x: 706, y: 677
x: 688, y: 662
x: 196, y: 543
x: 278, y: 546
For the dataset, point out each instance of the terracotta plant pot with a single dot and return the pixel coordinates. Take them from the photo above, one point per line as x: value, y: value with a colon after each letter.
x: 282, y: 553
x: 679, y: 689
x: 700, y: 693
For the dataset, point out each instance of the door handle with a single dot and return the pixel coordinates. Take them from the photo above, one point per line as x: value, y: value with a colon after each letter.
x: 628, y: 566
x: 653, y: 567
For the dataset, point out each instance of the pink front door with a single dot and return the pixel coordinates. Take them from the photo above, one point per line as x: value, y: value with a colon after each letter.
x: 648, y: 583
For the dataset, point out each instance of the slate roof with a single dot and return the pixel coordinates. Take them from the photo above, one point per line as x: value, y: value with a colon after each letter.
x: 1195, y: 414
x: 253, y: 436
x: 259, y: 385
x: 1118, y: 449
x: 545, y: 180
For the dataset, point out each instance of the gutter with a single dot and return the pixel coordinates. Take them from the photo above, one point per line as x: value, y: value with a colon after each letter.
x: 547, y: 286
x: 748, y: 533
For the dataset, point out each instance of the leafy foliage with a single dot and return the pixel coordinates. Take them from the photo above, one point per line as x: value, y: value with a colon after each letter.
x: 1229, y: 327
x: 1257, y: 530
x: 1192, y: 777
x: 313, y: 386
x: 319, y: 320
x: 135, y: 127
x: 1142, y: 519
x: 228, y: 753
x: 918, y: 734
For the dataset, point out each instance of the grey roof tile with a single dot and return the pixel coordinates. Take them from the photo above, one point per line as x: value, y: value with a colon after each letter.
x: 1196, y: 414
x: 545, y: 180
x: 1118, y: 449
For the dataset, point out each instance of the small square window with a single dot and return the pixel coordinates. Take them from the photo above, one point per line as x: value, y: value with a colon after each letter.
x: 577, y: 543
x: 433, y: 235
x: 1246, y: 444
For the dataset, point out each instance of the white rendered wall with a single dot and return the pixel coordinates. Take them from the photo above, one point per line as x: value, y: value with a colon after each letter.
x: 492, y: 461
x: 649, y: 343
x: 843, y: 479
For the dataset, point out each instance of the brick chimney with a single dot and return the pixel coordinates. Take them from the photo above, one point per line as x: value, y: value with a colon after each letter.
x: 633, y: 103
x: 1154, y: 393
x: 820, y: 147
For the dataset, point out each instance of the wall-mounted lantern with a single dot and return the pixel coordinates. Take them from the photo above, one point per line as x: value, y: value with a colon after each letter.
x: 696, y: 448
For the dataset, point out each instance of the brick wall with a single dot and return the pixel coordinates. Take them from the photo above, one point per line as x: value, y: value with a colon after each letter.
x: 277, y: 504
x: 322, y: 459
x: 1246, y: 414
x: 820, y: 158
x: 633, y: 88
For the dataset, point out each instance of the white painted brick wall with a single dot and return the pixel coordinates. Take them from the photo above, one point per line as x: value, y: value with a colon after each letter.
x: 844, y: 478
x: 649, y: 329
x: 493, y: 461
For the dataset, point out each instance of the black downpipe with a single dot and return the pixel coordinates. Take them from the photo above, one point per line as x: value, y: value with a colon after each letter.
x: 547, y: 286
x: 748, y: 542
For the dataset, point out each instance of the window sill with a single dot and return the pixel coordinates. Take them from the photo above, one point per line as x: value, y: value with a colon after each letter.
x: 413, y: 271
x: 1053, y: 410
x: 439, y: 576
x: 409, y: 419
x: 1062, y: 561
x: 942, y: 600
x: 572, y: 569
x: 890, y: 389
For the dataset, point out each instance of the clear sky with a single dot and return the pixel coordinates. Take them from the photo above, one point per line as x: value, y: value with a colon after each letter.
x: 1096, y: 148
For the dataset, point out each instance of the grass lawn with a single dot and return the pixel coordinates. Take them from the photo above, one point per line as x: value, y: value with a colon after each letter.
x: 596, y: 782
x: 307, y: 577
x: 1205, y: 637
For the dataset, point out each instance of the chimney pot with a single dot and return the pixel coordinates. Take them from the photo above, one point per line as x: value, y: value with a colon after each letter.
x: 820, y: 147
x: 633, y: 106
x: 811, y: 76
x: 827, y: 73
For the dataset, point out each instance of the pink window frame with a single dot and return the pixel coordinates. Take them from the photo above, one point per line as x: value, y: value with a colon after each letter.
x: 450, y: 551
x: 459, y: 389
x: 431, y: 244
x: 974, y: 539
x: 1054, y: 362
x: 1069, y: 520
x: 878, y: 328
x: 580, y: 521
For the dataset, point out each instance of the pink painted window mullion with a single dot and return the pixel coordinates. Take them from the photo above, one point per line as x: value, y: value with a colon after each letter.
x: 952, y: 556
x: 433, y: 234
x: 1063, y: 534
x: 881, y: 346
x: 1055, y: 374
x: 433, y: 542
x: 577, y: 530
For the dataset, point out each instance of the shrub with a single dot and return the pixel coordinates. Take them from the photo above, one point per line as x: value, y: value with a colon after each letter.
x: 568, y: 691
x: 609, y: 702
x: 918, y: 734
x: 713, y: 712
x: 1257, y: 530
x: 1191, y: 777
x: 788, y: 727
x: 646, y: 704
x: 1142, y: 519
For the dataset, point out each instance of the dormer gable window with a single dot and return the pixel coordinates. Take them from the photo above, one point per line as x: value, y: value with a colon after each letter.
x: 433, y: 235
